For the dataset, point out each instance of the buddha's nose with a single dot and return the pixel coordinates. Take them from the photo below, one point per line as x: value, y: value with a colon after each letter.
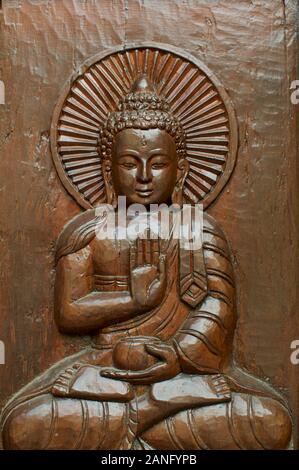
x: 144, y: 174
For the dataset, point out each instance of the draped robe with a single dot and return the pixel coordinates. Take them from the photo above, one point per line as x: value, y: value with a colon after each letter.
x: 197, y: 316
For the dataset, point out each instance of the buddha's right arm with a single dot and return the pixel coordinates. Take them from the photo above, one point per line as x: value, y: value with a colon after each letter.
x: 78, y: 308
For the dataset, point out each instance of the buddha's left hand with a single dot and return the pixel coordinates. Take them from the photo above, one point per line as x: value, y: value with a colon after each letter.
x: 167, y: 367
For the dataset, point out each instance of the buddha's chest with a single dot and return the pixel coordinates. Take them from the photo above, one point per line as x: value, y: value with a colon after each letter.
x: 111, y: 256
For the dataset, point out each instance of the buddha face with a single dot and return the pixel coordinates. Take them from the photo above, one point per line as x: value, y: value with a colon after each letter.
x: 145, y: 166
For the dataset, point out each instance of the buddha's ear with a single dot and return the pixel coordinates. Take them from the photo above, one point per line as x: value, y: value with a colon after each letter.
x: 110, y: 193
x: 182, y: 172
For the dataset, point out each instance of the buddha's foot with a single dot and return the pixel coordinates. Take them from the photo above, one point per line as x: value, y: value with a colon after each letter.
x: 85, y: 381
x: 219, y: 384
x: 192, y: 390
x: 62, y: 385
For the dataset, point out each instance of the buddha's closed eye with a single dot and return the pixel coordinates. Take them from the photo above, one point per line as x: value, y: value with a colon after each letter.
x: 159, y: 162
x: 127, y: 162
x: 128, y: 165
x: 159, y: 166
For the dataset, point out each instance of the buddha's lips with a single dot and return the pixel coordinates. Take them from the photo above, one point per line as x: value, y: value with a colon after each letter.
x: 144, y: 192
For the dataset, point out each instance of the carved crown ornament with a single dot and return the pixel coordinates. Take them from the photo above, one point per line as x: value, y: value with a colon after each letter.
x: 183, y: 84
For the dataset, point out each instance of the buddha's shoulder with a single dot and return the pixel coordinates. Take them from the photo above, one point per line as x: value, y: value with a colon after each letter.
x: 76, y: 234
x: 210, y: 224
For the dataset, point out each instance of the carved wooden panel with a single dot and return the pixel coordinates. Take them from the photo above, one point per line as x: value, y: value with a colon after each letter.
x: 122, y: 344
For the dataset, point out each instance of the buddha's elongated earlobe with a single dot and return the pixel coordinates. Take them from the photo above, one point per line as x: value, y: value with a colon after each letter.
x: 182, y: 172
x: 110, y: 192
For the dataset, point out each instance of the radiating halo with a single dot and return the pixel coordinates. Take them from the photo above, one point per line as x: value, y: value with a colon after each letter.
x: 194, y: 94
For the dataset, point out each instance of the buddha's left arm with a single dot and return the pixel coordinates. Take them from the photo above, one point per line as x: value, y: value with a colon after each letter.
x: 204, y: 340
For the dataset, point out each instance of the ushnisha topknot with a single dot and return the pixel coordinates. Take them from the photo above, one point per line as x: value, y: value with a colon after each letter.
x: 141, y: 108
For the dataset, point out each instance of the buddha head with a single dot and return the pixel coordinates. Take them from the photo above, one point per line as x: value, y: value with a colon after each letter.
x: 143, y: 149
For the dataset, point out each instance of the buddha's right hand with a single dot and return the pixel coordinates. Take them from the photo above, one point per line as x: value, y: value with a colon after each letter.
x: 147, y: 274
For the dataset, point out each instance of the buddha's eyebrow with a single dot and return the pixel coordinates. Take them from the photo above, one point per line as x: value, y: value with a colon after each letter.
x: 130, y: 152
x: 158, y: 152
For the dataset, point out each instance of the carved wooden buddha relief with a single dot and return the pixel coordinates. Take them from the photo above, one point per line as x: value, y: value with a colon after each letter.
x: 155, y: 126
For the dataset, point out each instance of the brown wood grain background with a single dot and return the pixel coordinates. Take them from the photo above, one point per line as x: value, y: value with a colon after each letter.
x: 251, y: 46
